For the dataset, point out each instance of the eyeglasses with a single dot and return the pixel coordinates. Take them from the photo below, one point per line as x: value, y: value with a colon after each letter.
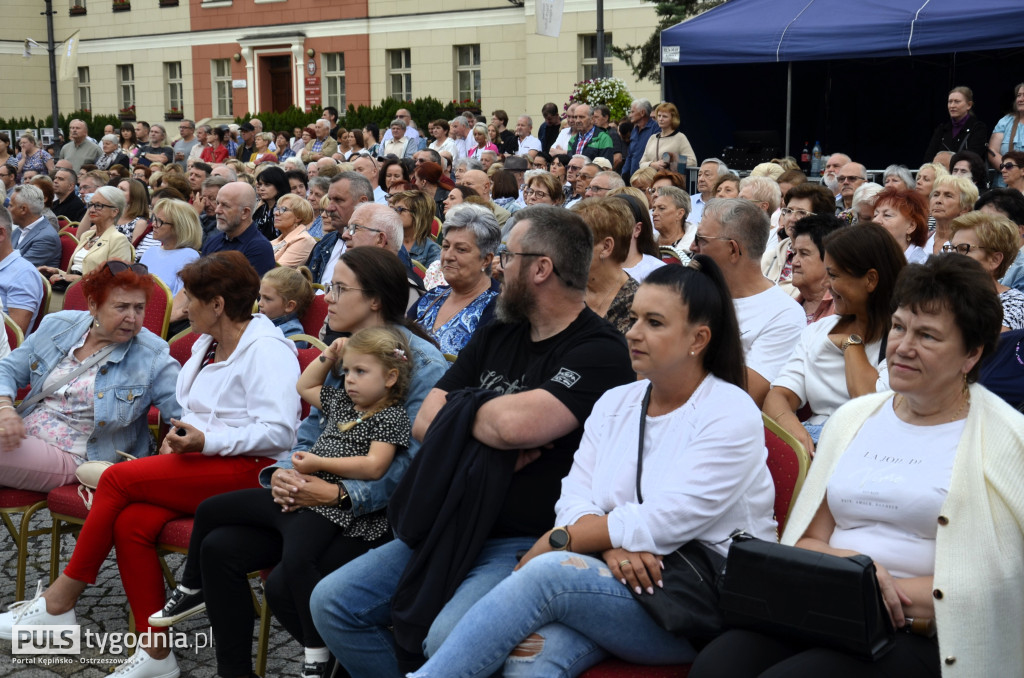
x: 594, y: 189
x: 160, y: 223
x: 1008, y: 166
x: 527, y: 192
x: 281, y: 210
x: 571, y: 168
x: 850, y: 180
x: 352, y: 228
x: 962, y: 248
x: 118, y: 267
x: 651, y: 190
x: 400, y: 210
x: 703, y: 240
x: 786, y: 211
x: 98, y: 206
x: 506, y: 255
x: 334, y: 290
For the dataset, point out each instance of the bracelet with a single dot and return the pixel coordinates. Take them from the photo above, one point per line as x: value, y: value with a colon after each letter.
x: 779, y: 415
x: 8, y: 407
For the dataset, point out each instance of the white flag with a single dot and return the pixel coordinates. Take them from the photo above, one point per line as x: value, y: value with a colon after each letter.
x: 549, y: 17
x: 69, y: 58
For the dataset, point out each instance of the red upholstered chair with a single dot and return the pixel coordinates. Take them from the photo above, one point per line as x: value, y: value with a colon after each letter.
x: 420, y: 269
x: 67, y: 513
x: 435, y: 230
x: 62, y: 223
x: 181, y: 345
x: 74, y: 298
x: 44, y: 304
x: 313, y: 318
x: 68, y: 245
x: 26, y: 503
x: 788, y: 462
x: 158, y: 309
x: 14, y: 333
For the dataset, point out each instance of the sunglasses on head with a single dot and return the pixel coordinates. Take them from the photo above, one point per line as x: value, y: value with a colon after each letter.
x: 117, y: 267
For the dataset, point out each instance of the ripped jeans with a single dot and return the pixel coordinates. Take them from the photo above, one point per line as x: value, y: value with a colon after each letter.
x: 578, y: 610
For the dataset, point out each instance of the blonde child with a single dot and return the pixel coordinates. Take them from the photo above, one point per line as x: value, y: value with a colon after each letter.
x: 285, y: 295
x: 366, y: 424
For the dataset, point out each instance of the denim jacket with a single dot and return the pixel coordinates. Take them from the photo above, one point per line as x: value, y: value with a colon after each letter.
x: 136, y: 374
x: 429, y: 365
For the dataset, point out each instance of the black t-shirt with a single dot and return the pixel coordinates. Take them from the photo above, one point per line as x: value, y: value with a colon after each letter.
x: 72, y: 207
x: 576, y: 366
x: 550, y: 134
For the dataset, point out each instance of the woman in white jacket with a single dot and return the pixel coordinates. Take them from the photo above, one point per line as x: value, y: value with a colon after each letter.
x: 570, y: 604
x: 236, y: 419
x: 926, y: 481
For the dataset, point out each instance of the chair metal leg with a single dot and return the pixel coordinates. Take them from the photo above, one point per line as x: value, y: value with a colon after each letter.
x: 263, y: 639
x: 20, y: 533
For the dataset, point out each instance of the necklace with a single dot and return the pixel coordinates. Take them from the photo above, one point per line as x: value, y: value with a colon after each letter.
x: 344, y: 426
x: 956, y: 415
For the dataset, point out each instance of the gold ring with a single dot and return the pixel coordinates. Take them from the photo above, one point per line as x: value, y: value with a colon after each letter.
x: 623, y: 563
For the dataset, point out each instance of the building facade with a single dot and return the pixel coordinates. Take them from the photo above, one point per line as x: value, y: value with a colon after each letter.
x: 218, y: 59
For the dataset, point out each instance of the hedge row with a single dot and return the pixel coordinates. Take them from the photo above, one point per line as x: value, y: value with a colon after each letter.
x: 422, y: 111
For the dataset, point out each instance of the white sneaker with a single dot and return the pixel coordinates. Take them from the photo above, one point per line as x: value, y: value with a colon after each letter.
x: 142, y: 665
x: 31, y: 612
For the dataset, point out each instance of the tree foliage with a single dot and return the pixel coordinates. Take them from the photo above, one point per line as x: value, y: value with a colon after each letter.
x: 645, y: 59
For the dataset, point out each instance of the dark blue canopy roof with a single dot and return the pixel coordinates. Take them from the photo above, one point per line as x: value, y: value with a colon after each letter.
x: 749, y: 31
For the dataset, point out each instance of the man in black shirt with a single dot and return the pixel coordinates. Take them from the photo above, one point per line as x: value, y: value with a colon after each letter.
x: 550, y: 358
x: 549, y: 129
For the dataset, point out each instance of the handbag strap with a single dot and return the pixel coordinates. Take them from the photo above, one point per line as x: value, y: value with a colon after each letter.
x: 1013, y: 132
x: 644, y: 404
x: 87, y: 364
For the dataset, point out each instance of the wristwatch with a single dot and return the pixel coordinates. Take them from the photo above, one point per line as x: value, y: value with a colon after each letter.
x: 559, y: 539
x: 850, y: 341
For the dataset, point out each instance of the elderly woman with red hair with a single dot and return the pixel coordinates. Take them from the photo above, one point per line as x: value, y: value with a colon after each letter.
x: 235, y: 420
x: 904, y: 213
x: 65, y: 420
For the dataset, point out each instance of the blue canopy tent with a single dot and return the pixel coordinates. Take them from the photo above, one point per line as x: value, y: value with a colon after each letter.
x: 866, y: 76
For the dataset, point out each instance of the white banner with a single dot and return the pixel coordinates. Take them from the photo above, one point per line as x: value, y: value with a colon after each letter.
x: 549, y: 17
x: 69, y: 58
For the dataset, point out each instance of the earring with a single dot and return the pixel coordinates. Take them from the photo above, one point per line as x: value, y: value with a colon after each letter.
x: 95, y: 322
x: 691, y: 353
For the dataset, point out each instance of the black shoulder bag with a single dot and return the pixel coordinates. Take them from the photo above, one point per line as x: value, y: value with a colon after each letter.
x: 688, y: 604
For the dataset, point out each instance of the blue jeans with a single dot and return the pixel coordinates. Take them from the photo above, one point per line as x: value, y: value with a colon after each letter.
x: 352, y: 606
x: 577, y: 608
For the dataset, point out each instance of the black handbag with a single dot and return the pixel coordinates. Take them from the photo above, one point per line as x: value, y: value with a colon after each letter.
x: 806, y: 596
x: 687, y: 606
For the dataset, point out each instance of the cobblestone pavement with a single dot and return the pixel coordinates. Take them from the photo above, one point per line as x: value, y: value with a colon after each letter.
x: 103, y: 608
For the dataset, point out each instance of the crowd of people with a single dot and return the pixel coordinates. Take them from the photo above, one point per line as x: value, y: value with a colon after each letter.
x: 508, y: 313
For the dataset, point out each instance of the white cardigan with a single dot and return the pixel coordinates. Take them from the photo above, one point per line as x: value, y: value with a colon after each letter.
x: 979, y: 550
x: 247, y: 404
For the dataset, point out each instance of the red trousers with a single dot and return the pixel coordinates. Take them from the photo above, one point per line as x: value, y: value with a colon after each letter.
x: 133, y: 502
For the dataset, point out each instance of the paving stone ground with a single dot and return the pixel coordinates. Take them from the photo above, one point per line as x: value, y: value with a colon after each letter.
x: 104, y: 609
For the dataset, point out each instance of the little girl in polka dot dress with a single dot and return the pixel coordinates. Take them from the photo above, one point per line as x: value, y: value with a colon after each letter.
x: 366, y: 422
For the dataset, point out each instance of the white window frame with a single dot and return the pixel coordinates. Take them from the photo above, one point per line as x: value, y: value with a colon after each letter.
x: 174, y: 86
x: 401, y: 74
x: 467, y: 68
x: 222, y: 97
x: 84, y: 89
x: 126, y: 85
x: 588, y: 56
x: 333, y: 81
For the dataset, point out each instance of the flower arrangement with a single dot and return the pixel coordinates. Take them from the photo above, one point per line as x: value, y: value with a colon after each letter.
x: 77, y: 10
x: 174, y: 114
x: 129, y: 109
x: 611, y: 92
x: 466, y: 105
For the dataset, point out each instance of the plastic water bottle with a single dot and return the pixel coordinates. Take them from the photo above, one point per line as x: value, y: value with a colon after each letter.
x: 805, y: 156
x: 816, y: 159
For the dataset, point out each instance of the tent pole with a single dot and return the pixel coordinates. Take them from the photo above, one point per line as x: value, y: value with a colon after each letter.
x: 600, y: 38
x: 789, y: 104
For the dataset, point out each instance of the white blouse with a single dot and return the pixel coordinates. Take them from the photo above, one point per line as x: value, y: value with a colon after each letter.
x: 704, y: 471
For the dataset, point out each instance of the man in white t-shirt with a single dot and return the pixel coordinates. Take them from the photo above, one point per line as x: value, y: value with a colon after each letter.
x: 529, y: 145
x: 734, y: 232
